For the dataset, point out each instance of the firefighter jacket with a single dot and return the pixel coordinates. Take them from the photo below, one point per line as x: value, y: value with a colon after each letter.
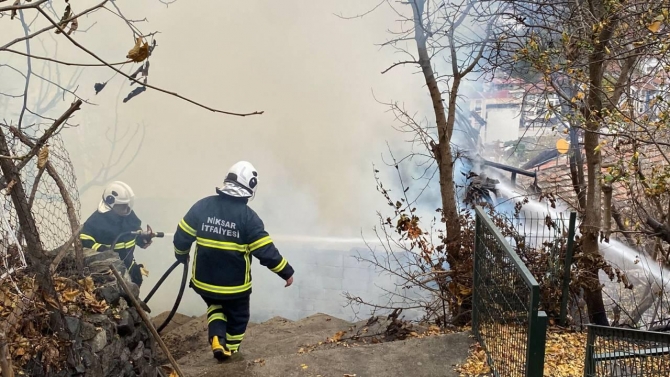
x: 100, y: 230
x: 227, y: 233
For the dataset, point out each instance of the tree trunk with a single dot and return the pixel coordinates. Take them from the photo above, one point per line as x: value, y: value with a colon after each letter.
x: 37, y: 259
x: 34, y: 250
x: 577, y: 168
x: 592, y: 214
x: 461, y: 271
x: 442, y: 150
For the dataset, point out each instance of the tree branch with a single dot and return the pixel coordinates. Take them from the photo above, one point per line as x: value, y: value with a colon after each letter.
x: 399, y: 63
x: 43, y: 139
x: 22, y: 6
x: 137, y: 81
x: 67, y: 63
x: 17, y: 40
x: 29, y: 69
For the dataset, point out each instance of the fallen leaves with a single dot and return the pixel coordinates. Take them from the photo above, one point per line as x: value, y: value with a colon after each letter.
x: 80, y: 295
x: 377, y: 330
x: 260, y: 361
x: 139, y: 52
x: 337, y: 337
x: 655, y: 26
x: 24, y: 319
x: 475, y: 364
x: 564, y: 353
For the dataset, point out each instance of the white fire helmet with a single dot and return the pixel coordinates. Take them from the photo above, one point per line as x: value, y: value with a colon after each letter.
x: 243, y: 175
x: 119, y: 197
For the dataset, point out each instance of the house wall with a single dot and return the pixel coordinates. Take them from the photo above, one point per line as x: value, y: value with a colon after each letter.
x: 502, y: 124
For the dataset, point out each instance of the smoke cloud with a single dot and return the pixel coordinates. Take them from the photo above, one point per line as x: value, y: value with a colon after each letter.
x: 316, y: 77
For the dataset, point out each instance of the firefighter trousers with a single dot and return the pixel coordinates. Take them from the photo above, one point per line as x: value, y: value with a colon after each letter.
x: 228, y: 320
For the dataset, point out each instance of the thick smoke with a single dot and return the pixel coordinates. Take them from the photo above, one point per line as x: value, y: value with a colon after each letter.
x: 312, y: 73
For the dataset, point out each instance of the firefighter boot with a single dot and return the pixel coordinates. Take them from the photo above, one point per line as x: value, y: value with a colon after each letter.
x: 220, y: 351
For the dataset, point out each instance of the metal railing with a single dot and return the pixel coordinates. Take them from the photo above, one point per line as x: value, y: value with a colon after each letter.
x: 541, y: 243
x: 620, y: 352
x: 505, y: 319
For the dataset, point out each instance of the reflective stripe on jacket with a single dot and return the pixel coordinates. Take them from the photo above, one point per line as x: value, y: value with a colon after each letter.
x: 100, y: 229
x: 227, y: 233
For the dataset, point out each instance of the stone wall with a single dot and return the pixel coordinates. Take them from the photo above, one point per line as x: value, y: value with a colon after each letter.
x: 116, y: 343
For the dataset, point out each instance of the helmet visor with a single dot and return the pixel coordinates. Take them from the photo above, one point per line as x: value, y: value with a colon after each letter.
x: 122, y: 209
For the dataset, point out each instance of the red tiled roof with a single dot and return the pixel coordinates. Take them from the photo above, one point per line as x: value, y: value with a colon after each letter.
x: 554, y: 176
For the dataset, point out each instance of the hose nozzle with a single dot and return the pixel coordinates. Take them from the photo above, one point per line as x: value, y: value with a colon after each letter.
x: 149, y: 232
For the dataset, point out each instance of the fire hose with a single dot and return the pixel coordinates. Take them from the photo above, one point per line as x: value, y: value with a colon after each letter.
x: 167, y: 273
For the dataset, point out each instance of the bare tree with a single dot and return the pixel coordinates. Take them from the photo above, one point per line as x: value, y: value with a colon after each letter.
x: 448, y: 37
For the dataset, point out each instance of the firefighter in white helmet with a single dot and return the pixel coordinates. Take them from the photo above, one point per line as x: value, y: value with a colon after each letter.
x: 228, y: 233
x: 114, y: 217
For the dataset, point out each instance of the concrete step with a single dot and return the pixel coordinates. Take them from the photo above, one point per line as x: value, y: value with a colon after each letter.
x: 432, y: 356
x: 275, y: 337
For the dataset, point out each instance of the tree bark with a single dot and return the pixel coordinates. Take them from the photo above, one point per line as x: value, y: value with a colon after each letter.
x: 461, y: 270
x: 26, y: 220
x: 445, y: 126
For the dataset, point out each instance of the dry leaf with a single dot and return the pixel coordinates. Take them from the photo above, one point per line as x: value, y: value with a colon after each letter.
x: 174, y: 374
x: 140, y: 52
x: 304, y: 366
x: 337, y: 337
x: 64, y: 20
x: 88, y: 284
x: 70, y: 295
x: 350, y: 375
x: 14, y: 10
x: 43, y: 157
x: 655, y: 26
x: 74, y: 25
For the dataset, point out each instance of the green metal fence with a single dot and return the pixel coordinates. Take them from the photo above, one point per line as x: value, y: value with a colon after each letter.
x: 505, y: 319
x: 546, y: 243
x: 620, y: 352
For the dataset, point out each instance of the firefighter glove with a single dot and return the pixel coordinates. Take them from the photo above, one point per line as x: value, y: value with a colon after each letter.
x: 182, y: 258
x: 144, y: 240
x: 135, y: 273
